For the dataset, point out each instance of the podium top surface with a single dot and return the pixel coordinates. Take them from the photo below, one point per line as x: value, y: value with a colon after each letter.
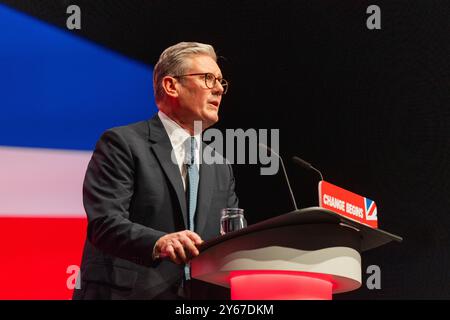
x: 370, y: 238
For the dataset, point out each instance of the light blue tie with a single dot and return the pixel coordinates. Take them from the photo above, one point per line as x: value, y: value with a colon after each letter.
x: 192, y: 188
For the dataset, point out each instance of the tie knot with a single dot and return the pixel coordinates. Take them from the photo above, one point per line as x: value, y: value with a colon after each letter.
x: 190, y: 146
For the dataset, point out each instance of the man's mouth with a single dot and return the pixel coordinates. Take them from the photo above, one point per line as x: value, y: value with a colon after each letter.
x: 214, y: 103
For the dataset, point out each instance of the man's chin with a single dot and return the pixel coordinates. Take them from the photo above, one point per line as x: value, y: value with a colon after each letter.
x: 210, y: 119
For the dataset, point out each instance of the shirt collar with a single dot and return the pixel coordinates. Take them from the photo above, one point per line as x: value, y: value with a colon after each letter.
x: 176, y: 133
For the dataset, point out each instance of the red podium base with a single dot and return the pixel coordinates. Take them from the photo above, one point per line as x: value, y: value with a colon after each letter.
x: 280, y: 285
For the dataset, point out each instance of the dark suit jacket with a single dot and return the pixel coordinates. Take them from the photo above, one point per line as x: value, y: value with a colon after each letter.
x: 133, y: 194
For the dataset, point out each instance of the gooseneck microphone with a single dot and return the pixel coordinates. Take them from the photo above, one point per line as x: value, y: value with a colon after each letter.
x: 304, y: 164
x: 262, y: 145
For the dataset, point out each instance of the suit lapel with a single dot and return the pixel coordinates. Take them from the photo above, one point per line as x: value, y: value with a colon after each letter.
x: 162, y: 149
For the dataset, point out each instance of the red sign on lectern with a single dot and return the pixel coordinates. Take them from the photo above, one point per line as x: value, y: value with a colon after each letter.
x: 348, y: 204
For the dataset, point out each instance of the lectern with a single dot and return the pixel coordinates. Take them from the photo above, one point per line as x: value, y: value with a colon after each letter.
x: 310, y: 253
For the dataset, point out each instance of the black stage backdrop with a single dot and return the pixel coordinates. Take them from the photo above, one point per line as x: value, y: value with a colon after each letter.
x: 370, y: 108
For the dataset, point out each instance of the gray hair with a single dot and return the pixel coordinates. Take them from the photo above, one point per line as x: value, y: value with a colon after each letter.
x: 173, y: 62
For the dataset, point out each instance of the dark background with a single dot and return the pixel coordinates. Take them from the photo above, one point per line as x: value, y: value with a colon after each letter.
x: 370, y: 108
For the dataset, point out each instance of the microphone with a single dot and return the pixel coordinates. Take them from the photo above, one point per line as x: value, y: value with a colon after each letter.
x: 304, y: 164
x: 262, y: 145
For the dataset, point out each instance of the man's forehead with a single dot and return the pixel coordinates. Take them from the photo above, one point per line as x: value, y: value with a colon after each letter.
x: 204, y: 63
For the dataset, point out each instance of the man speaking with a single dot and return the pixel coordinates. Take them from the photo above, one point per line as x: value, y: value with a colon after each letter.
x: 149, y: 199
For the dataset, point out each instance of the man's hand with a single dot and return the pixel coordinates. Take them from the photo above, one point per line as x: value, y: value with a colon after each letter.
x: 178, y: 247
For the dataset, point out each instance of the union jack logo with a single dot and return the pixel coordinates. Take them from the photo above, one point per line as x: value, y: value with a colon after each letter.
x: 371, y: 209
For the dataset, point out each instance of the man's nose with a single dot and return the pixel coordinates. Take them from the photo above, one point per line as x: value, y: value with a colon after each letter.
x: 218, y: 88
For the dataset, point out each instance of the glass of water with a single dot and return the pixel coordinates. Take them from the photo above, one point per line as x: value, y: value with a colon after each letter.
x: 232, y: 220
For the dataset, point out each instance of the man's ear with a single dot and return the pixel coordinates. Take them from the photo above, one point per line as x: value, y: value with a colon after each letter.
x: 170, y: 86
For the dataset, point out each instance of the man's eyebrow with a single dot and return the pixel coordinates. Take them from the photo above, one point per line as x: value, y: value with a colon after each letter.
x: 220, y: 76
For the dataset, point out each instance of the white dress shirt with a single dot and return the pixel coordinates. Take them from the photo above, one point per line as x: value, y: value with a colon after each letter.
x: 178, y: 136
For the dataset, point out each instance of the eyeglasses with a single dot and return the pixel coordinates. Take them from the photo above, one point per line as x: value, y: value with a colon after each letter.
x: 210, y: 80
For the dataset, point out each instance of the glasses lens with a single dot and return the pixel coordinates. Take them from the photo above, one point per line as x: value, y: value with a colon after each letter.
x: 224, y: 84
x: 210, y: 80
